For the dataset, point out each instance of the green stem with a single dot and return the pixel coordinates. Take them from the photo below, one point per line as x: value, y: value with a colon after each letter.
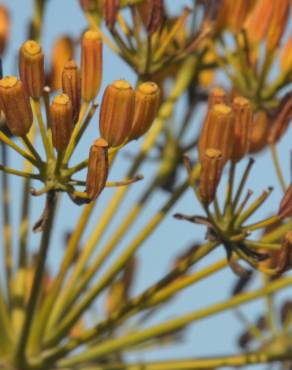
x: 277, y: 165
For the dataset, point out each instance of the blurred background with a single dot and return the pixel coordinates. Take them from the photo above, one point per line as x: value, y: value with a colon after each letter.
x: 215, y: 335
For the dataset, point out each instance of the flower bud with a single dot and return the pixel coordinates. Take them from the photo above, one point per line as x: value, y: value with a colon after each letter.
x: 15, y: 105
x: 117, y: 112
x: 147, y: 98
x: 286, y: 204
x: 97, y: 168
x: 258, y: 21
x: 217, y: 96
x: 212, y: 166
x: 31, y: 68
x: 278, y: 23
x: 259, y: 132
x: 63, y: 50
x: 217, y: 132
x: 243, y: 120
x: 71, y: 85
x: 286, y: 57
x: 111, y: 9
x: 91, y: 65
x: 61, y: 119
x: 282, y: 119
x: 4, y: 27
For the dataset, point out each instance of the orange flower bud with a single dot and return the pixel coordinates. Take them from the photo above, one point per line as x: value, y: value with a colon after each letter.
x: 282, y: 119
x: 71, y: 85
x: 285, y: 209
x: 147, y: 98
x: 110, y: 8
x: 15, y: 105
x: 286, y: 57
x: 63, y: 50
x: 4, y: 27
x: 217, y: 131
x: 117, y: 112
x: 217, y: 96
x: 91, y: 65
x: 278, y: 23
x: 243, y: 120
x: 212, y: 166
x: 97, y: 168
x: 61, y: 119
x: 258, y: 21
x: 31, y: 68
x: 259, y: 132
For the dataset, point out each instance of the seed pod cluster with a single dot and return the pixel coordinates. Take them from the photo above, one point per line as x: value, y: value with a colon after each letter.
x: 91, y: 65
x: 61, y: 119
x: 15, y: 105
x: 97, y: 168
x: 31, y: 68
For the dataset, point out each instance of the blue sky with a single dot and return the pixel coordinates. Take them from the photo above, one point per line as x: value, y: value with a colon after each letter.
x: 211, y: 336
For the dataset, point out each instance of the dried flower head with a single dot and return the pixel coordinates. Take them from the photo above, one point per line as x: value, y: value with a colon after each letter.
x: 63, y: 50
x: 243, y: 120
x: 147, y: 98
x: 71, y: 85
x: 97, y: 168
x: 91, y: 65
x: 31, y: 68
x: 15, y: 105
x: 212, y: 166
x: 61, y: 119
x: 117, y: 112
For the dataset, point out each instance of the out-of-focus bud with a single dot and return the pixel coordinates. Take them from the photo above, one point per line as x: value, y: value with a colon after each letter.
x: 285, y: 209
x: 31, y: 68
x: 217, y: 96
x: 206, y: 77
x: 258, y: 21
x: 217, y: 132
x: 61, y: 119
x: 278, y: 23
x: 87, y: 5
x: 286, y: 57
x: 15, y: 105
x: 4, y: 27
x: 147, y: 98
x: 243, y: 120
x: 91, y: 65
x: 111, y: 9
x: 97, y: 168
x: 232, y: 15
x: 155, y: 16
x: 259, y: 132
x: 282, y: 119
x: 71, y: 85
x: 117, y: 112
x: 63, y: 50
x: 212, y: 166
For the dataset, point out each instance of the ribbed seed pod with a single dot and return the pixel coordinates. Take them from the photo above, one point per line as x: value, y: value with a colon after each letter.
x: 217, y: 131
x: 286, y: 56
x: 71, y: 85
x: 97, y: 168
x: 63, y: 50
x: 278, y: 23
x: 282, y: 119
x: 31, y: 68
x: 147, y: 98
x: 243, y: 120
x: 4, y: 27
x: 117, y: 112
x: 61, y: 119
x: 259, y: 132
x: 258, y: 21
x: 91, y: 65
x: 15, y: 105
x: 285, y: 209
x: 212, y: 166
x: 217, y: 96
